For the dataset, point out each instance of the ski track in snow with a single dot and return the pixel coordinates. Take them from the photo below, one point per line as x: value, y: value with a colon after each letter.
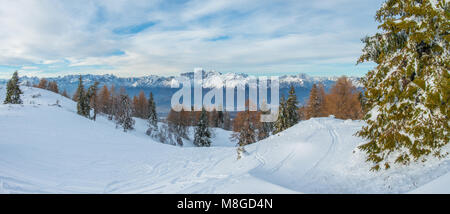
x: 49, y: 155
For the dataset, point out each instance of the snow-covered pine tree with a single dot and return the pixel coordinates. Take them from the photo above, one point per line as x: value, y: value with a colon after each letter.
x: 124, y: 113
x: 152, y: 116
x: 266, y: 127
x: 408, y: 92
x: 291, y: 108
x: 202, y: 133
x: 83, y: 108
x: 282, y: 121
x: 247, y: 131
x: 13, y: 91
x: 92, y: 98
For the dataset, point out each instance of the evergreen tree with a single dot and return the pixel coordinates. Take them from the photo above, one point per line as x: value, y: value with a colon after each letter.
x: 282, y: 121
x: 247, y: 133
x: 291, y: 108
x: 266, y: 127
x: 152, y: 116
x: 13, y: 91
x: 408, y: 92
x: 202, y: 132
x: 124, y: 112
x: 93, y: 99
x: 83, y: 108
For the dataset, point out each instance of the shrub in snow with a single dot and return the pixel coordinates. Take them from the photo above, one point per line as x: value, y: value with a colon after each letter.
x: 34, y: 96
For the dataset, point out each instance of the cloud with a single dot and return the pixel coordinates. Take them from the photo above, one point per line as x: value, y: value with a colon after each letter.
x: 135, y: 38
x: 30, y: 68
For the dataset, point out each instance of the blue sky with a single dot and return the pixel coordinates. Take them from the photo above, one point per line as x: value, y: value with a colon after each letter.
x: 137, y: 38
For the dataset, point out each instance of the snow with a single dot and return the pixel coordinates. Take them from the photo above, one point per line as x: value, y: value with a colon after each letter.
x: 438, y: 186
x: 49, y: 149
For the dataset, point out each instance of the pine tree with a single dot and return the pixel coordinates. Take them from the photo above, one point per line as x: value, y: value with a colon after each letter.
x: 246, y: 131
x: 282, y: 121
x: 152, y: 116
x: 266, y: 127
x: 202, y: 133
x: 124, y: 112
x: 83, y: 108
x: 408, y: 92
x: 92, y: 97
x: 291, y: 108
x: 13, y: 91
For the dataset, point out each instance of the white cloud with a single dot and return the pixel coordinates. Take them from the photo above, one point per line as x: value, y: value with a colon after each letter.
x: 30, y: 68
x: 277, y: 36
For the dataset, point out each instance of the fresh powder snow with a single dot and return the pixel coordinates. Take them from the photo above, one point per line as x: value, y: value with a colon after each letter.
x: 45, y: 147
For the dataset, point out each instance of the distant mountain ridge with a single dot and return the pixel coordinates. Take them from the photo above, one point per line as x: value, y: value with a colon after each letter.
x: 160, y: 86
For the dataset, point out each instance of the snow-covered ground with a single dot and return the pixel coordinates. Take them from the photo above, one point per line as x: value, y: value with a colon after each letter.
x: 45, y: 148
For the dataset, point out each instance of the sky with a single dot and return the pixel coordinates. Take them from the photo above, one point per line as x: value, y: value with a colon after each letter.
x: 127, y: 38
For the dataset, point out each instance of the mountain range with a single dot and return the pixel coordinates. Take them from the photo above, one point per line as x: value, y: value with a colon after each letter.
x: 160, y: 86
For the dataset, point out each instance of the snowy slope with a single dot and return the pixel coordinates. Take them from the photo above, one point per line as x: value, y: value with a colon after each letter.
x: 438, y: 186
x: 320, y: 156
x: 49, y: 149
